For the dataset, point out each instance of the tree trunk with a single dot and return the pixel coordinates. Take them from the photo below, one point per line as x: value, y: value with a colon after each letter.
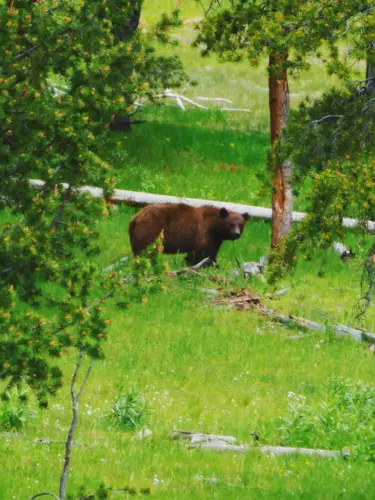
x: 370, y: 72
x: 282, y: 201
x: 125, y: 33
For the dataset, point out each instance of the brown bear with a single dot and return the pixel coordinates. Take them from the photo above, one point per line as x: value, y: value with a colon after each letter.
x: 199, y: 232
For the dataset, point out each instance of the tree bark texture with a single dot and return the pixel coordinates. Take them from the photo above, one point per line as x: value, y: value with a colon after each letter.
x: 279, y: 104
x: 370, y: 72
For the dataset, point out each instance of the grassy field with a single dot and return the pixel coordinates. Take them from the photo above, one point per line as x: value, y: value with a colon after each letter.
x: 199, y: 367
x: 209, y: 370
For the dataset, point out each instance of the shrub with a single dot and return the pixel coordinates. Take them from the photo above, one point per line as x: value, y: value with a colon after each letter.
x: 344, y: 418
x: 14, y: 412
x: 129, y: 411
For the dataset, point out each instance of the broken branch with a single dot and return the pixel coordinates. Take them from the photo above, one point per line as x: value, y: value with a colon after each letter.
x: 192, y: 269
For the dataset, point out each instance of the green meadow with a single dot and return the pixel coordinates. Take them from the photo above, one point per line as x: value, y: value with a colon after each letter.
x: 199, y: 367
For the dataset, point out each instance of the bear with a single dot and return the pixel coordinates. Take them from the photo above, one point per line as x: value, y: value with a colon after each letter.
x: 199, y: 232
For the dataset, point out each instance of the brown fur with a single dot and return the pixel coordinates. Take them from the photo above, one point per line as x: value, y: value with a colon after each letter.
x: 199, y: 232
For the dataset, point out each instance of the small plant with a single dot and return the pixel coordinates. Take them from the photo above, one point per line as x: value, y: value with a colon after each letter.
x: 14, y: 412
x: 344, y: 418
x: 129, y: 411
x: 104, y: 492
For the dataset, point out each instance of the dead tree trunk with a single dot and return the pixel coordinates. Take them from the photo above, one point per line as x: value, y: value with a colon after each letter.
x: 282, y: 201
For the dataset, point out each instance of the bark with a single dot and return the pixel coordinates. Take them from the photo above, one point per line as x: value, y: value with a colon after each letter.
x: 125, y: 33
x: 370, y: 74
x: 279, y: 104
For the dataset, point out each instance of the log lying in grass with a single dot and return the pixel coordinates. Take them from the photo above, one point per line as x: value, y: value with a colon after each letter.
x: 138, y: 199
x: 267, y: 450
x: 212, y: 442
x: 339, y: 329
x: 197, y: 437
x: 244, y: 300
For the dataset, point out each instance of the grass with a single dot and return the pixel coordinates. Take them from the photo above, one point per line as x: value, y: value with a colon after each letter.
x: 184, y: 159
x: 198, y: 367
x: 203, y: 369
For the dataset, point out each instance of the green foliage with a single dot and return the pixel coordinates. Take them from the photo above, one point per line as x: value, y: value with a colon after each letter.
x: 13, y: 418
x: 14, y: 411
x: 251, y: 28
x: 331, y: 142
x: 129, y: 411
x: 104, y: 492
x: 344, y: 418
x: 56, y: 138
x: 146, y: 277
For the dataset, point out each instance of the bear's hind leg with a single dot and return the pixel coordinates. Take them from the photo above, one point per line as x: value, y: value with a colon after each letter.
x: 142, y: 234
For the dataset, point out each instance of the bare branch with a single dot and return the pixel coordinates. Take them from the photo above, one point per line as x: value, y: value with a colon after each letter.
x: 85, y: 379
x: 45, y: 494
x: 69, y: 441
x: 75, y: 374
x: 315, y: 123
x: 366, y: 107
x: 211, y: 5
x: 27, y: 52
x: 193, y: 269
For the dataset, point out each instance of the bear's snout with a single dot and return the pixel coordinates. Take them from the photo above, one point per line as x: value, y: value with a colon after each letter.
x: 236, y: 235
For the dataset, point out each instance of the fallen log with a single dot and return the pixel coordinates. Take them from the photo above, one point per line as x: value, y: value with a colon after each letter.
x: 340, y: 330
x: 138, y: 199
x: 212, y: 442
x: 197, y: 437
x: 270, y: 450
x: 245, y: 300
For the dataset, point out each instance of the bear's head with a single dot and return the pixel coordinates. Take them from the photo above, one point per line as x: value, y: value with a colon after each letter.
x: 230, y: 224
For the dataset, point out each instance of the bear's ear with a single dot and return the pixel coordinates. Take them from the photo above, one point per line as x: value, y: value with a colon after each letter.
x: 245, y: 216
x: 223, y: 213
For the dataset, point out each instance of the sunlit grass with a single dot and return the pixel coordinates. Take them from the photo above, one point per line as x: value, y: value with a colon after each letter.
x: 204, y: 369
x: 198, y: 367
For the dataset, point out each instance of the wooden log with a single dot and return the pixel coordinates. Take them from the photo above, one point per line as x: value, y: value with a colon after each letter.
x: 267, y: 450
x: 213, y: 442
x: 288, y: 450
x: 138, y: 199
x: 339, y: 329
x: 197, y: 437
